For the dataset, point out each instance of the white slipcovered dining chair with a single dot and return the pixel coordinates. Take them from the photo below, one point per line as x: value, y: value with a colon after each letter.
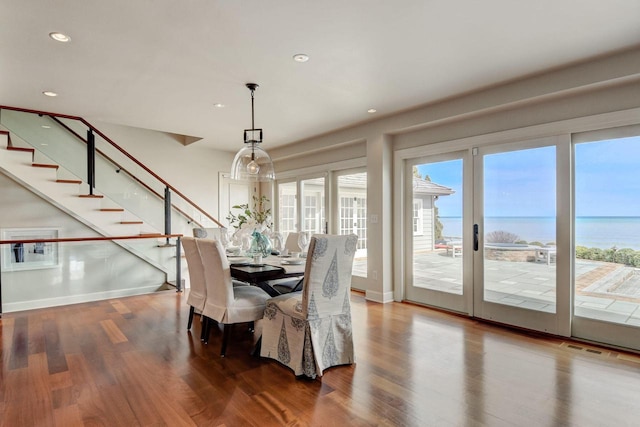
x: 197, y: 288
x: 207, y: 232
x: 225, y: 303
x: 291, y: 244
x: 310, y: 331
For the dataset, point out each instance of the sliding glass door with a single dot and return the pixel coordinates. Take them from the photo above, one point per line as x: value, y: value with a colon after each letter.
x: 607, y: 237
x: 515, y: 234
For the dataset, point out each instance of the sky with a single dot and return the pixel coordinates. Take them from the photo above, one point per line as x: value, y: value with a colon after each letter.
x: 522, y: 183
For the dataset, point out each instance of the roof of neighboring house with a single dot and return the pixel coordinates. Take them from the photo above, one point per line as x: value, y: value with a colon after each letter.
x: 420, y: 186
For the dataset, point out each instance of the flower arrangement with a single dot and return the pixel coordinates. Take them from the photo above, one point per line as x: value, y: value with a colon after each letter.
x: 257, y: 218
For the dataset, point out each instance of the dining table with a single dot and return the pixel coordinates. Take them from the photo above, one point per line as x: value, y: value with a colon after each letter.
x: 269, y: 269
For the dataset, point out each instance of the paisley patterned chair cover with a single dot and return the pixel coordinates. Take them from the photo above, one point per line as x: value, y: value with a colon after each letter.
x: 207, y: 233
x: 310, y: 331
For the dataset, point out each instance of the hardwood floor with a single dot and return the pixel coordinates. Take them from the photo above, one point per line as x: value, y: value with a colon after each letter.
x: 130, y: 362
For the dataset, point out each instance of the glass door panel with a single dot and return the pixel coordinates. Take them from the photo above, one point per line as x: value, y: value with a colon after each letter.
x: 434, y: 232
x: 352, y: 200
x: 287, y: 207
x: 607, y: 241
x: 313, y: 211
x: 515, y: 199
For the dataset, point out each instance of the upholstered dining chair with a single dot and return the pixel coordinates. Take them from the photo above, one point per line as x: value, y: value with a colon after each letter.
x: 291, y: 244
x: 207, y: 233
x: 310, y: 331
x: 225, y: 303
x: 197, y: 289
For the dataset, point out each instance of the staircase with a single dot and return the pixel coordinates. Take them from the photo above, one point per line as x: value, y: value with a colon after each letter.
x: 58, y: 186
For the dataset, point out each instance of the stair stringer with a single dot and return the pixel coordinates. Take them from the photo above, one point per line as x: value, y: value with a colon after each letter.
x: 42, y: 182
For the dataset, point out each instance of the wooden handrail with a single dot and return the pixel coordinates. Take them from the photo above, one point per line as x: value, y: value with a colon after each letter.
x: 91, y: 239
x: 117, y: 147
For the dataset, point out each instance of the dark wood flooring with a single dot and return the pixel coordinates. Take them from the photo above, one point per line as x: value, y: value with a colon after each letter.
x: 131, y: 362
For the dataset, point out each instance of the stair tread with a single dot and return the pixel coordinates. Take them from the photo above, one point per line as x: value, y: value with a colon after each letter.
x: 26, y: 149
x: 44, y: 165
x: 112, y: 209
x: 69, y: 181
x: 131, y: 222
x: 91, y: 196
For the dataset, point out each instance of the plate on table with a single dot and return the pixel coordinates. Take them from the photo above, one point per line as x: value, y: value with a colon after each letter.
x: 237, y: 259
x: 292, y: 261
x: 239, y: 264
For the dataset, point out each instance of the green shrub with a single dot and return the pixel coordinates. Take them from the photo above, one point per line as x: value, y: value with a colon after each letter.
x: 624, y: 256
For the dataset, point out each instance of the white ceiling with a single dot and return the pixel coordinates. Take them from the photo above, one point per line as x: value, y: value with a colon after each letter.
x: 162, y: 64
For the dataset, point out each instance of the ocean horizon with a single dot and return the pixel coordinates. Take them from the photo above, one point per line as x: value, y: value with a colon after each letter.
x: 591, y: 231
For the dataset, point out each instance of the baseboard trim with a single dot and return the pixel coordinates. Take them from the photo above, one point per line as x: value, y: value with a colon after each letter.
x: 9, y: 307
x: 381, y: 297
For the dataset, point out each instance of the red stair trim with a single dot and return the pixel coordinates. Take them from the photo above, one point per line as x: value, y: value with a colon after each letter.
x: 91, y: 196
x: 112, y: 210
x: 29, y: 150
x: 43, y: 165
x: 69, y: 181
x: 131, y: 222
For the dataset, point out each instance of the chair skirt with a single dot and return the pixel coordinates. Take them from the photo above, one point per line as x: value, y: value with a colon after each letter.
x: 307, y: 346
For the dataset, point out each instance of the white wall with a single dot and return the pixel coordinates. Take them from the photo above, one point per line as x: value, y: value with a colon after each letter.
x: 86, y: 272
x: 603, y: 85
x: 192, y: 169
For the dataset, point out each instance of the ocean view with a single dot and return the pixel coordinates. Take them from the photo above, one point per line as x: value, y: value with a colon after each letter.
x: 595, y: 232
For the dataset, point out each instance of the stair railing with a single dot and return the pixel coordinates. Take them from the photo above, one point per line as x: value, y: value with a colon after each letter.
x: 92, y: 131
x: 22, y: 242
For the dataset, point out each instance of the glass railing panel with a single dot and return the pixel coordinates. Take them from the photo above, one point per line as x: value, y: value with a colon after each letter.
x: 117, y: 177
x: 48, y: 138
x: 51, y: 274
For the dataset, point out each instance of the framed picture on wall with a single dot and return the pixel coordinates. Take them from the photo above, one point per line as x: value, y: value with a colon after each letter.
x: 24, y: 253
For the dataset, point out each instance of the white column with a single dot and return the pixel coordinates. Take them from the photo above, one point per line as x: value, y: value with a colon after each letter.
x: 380, y: 214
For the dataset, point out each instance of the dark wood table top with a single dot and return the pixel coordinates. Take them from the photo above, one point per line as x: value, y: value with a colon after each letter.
x: 272, y: 268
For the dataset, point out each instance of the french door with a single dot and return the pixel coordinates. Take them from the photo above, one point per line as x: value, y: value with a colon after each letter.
x: 515, y: 199
x: 481, y: 232
x: 438, y: 271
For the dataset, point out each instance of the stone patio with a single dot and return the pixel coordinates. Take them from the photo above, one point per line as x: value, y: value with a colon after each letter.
x: 604, y: 291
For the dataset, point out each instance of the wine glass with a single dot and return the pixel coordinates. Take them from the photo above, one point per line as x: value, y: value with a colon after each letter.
x: 246, y: 243
x: 277, y: 239
x: 303, y: 241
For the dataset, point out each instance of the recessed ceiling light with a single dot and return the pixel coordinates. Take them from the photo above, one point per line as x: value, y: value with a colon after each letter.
x: 45, y: 127
x: 59, y: 37
x: 44, y: 144
x: 218, y: 105
x: 49, y: 93
x: 371, y: 110
x: 300, y: 57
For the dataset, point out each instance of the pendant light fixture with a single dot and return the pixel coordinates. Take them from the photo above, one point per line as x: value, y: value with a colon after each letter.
x: 252, y: 162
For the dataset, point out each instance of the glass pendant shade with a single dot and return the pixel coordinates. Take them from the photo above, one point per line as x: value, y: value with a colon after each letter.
x: 252, y: 163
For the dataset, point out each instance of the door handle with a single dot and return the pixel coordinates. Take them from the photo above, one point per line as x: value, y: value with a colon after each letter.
x: 475, y: 237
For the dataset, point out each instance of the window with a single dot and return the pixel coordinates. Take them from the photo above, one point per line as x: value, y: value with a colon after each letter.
x: 418, y: 222
x: 287, y: 207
